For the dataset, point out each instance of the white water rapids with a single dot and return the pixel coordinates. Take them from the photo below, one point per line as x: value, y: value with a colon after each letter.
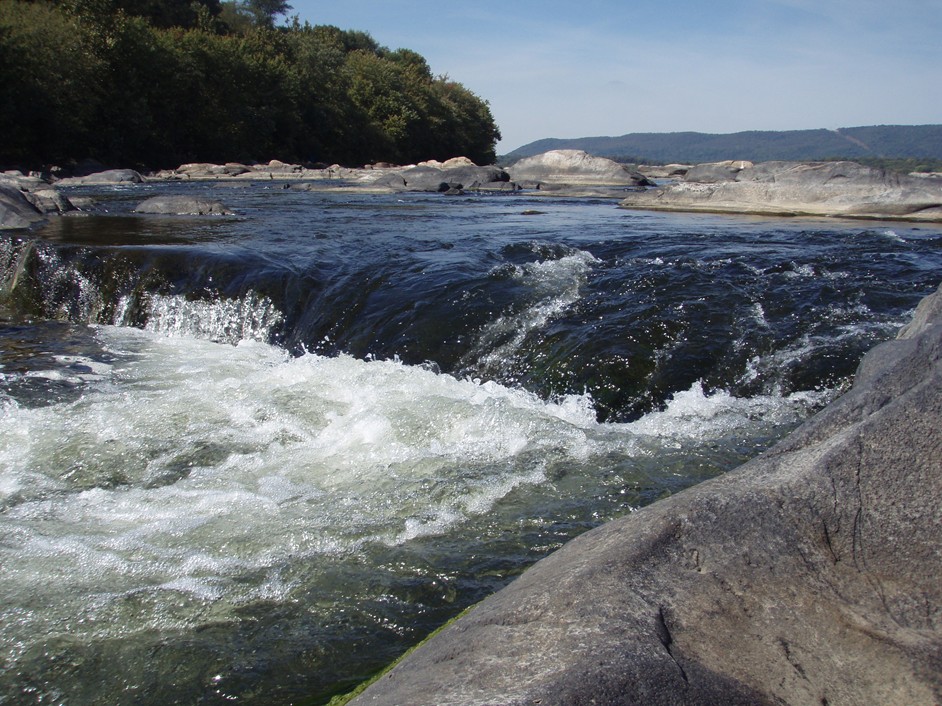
x: 190, y: 476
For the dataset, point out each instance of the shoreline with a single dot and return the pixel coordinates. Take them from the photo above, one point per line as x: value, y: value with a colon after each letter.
x: 844, y: 190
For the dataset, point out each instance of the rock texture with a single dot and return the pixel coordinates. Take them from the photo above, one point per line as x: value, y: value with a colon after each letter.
x: 27, y: 200
x: 810, y: 575
x: 844, y: 189
x: 574, y: 167
x: 16, y: 211
x: 182, y: 205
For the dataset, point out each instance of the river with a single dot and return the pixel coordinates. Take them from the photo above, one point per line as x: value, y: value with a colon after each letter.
x: 251, y: 459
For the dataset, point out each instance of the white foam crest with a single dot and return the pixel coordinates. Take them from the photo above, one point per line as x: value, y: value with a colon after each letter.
x: 249, y: 318
x: 758, y: 314
x: 191, y: 463
x: 893, y: 236
x: 193, y: 474
x: 556, y: 285
x: 693, y: 415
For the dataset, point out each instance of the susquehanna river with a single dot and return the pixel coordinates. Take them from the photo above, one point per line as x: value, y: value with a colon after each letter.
x: 252, y: 459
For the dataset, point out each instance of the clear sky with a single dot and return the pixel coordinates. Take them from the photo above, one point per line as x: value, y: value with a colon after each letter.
x: 581, y: 68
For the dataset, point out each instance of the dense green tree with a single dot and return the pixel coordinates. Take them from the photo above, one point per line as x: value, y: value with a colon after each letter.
x: 158, y: 13
x: 240, y: 16
x: 265, y: 11
x: 49, y: 83
x: 129, y: 82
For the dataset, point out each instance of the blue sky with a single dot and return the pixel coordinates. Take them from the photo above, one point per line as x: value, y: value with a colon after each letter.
x: 609, y: 67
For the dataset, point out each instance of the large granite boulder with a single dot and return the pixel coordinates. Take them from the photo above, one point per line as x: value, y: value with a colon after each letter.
x: 458, y: 176
x: 845, y: 189
x: 810, y: 575
x: 575, y: 167
x: 206, y: 170
x: 182, y: 205
x: 109, y: 177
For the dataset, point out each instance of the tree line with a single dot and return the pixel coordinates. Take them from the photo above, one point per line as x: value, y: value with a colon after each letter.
x: 157, y: 83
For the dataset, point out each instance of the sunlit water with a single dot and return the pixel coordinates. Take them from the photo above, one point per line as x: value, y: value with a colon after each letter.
x: 251, y: 459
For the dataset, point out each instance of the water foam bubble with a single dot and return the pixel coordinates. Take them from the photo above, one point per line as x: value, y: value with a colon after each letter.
x: 195, y: 462
x: 249, y: 318
x: 694, y: 414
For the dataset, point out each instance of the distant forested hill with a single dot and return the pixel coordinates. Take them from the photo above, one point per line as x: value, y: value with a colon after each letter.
x: 883, y: 141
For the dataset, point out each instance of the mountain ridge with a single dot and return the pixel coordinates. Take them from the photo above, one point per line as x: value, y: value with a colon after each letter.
x: 880, y: 141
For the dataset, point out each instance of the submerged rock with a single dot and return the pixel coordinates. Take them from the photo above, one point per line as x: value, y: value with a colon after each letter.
x: 808, y: 575
x: 182, y: 205
x: 844, y: 189
x: 577, y: 168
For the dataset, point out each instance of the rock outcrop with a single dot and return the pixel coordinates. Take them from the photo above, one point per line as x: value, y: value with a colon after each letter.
x: 27, y: 200
x: 453, y: 175
x: 182, y: 205
x: 810, y: 575
x: 574, y: 167
x: 844, y: 189
x: 16, y: 211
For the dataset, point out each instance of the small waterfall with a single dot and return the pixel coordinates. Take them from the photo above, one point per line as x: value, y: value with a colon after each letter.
x: 41, y: 281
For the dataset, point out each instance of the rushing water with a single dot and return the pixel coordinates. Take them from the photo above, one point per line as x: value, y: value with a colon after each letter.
x: 251, y: 459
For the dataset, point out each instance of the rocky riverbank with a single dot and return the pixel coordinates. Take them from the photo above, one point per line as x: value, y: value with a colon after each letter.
x: 809, y: 575
x: 842, y: 189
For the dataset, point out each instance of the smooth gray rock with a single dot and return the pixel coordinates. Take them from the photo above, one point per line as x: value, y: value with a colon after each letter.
x: 844, y: 189
x: 107, y: 177
x: 16, y: 210
x: 182, y: 205
x: 206, y: 170
x: 810, y: 575
x: 575, y: 167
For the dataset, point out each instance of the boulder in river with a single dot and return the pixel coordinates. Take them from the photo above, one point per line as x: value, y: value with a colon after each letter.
x: 107, y: 177
x: 577, y: 168
x: 182, y: 205
x: 810, y: 575
x: 845, y: 189
x: 460, y: 176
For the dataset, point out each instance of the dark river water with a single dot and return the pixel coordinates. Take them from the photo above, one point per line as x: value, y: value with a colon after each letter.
x: 252, y: 459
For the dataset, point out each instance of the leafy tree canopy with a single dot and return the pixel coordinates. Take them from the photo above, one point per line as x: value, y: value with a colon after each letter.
x: 160, y: 82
